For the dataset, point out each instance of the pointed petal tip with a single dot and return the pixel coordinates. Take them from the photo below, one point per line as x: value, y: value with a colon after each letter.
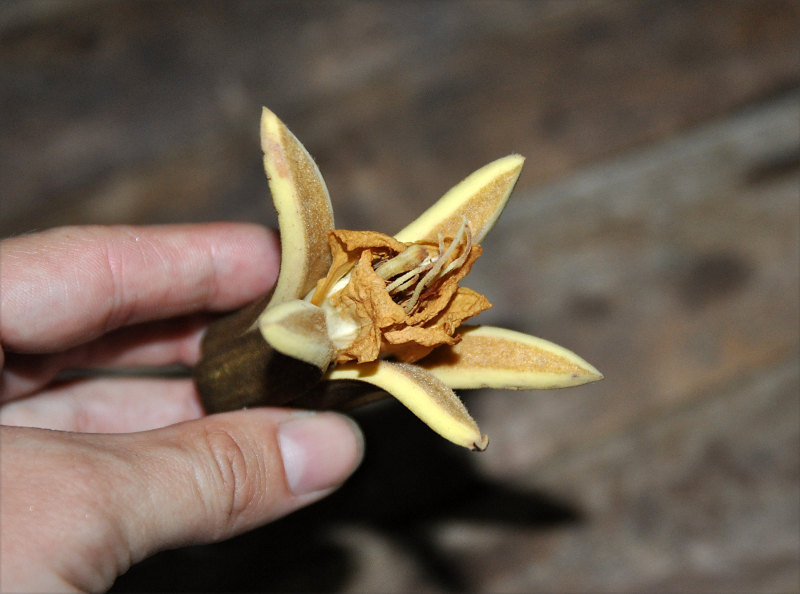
x: 481, y: 444
x: 512, y: 162
x: 266, y: 113
x: 578, y: 380
x: 491, y: 357
x: 424, y: 395
x: 480, y: 198
x: 269, y: 127
x: 305, y: 215
x: 590, y: 372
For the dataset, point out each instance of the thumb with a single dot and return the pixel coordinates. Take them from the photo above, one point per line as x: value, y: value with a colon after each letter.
x: 77, y: 509
x: 216, y: 477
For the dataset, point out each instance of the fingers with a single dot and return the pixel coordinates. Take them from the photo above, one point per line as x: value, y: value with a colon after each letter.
x: 153, y: 344
x: 106, y: 405
x: 68, y: 285
x: 78, y: 509
x: 221, y: 475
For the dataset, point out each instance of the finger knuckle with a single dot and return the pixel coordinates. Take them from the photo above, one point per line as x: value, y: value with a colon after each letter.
x: 236, y: 475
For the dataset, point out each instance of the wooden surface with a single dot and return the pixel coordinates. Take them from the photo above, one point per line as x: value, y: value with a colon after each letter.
x: 655, y: 230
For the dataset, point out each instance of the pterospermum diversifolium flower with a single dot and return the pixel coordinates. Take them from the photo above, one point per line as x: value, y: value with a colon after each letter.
x: 359, y: 309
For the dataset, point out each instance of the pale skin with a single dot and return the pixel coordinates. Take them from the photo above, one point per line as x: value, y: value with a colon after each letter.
x: 97, y: 474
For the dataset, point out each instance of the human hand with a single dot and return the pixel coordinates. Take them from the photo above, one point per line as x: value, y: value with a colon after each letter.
x: 135, y: 467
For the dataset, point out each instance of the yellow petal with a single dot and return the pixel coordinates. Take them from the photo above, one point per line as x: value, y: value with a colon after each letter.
x: 489, y: 357
x: 424, y: 395
x: 480, y: 198
x: 297, y: 329
x: 304, y: 210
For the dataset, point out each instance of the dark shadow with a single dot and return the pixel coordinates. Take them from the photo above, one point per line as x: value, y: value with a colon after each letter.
x: 711, y: 277
x: 410, y: 481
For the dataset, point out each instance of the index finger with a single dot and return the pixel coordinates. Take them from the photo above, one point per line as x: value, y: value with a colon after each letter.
x: 71, y: 284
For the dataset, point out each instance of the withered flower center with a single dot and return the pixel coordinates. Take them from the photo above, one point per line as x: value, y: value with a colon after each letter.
x: 386, y: 298
x: 412, y: 274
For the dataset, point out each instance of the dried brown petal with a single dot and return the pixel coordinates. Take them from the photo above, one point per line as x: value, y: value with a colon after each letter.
x: 365, y: 298
x: 425, y: 305
x: 465, y: 304
x: 412, y: 343
x: 346, y: 247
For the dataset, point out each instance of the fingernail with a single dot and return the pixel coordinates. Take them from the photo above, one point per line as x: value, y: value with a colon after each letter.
x: 319, y: 450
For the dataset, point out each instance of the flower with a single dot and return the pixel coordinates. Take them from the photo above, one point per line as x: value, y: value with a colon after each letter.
x: 381, y: 310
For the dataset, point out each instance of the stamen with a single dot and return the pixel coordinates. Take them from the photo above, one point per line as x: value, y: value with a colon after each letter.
x: 408, y: 259
x: 458, y: 262
x: 435, y: 273
x: 409, y: 283
x: 401, y: 281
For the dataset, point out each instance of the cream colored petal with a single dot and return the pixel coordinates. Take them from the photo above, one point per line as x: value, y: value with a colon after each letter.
x: 304, y: 210
x: 297, y: 329
x: 480, y: 198
x: 489, y: 357
x: 428, y: 398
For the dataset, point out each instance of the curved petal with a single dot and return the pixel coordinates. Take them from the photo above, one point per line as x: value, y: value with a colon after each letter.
x: 298, y: 329
x: 304, y: 209
x: 424, y: 395
x: 480, y: 197
x: 489, y: 357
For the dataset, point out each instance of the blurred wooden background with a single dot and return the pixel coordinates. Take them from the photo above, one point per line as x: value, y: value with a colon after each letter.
x: 655, y: 230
